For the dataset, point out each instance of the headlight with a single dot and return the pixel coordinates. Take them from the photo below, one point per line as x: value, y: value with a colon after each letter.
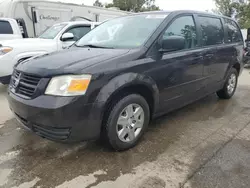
x: 69, y: 85
x: 5, y: 50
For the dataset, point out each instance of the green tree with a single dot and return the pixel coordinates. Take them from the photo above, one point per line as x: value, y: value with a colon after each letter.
x: 237, y: 9
x: 225, y: 7
x: 243, y: 14
x: 109, y: 5
x: 150, y: 8
x: 97, y: 3
x: 134, y: 5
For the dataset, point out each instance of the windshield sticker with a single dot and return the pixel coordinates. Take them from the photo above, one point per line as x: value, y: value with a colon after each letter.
x: 156, y: 16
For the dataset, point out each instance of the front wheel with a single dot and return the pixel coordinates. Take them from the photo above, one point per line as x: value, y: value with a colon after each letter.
x: 230, y: 85
x: 127, y: 121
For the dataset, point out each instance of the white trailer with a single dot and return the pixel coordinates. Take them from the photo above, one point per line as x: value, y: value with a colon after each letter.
x: 38, y: 15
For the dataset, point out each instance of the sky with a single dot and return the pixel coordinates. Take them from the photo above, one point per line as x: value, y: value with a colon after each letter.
x: 202, y: 5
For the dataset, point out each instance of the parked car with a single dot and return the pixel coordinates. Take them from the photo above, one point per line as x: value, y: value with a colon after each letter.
x: 9, y: 29
x: 57, y: 37
x: 37, y: 16
x: 124, y: 73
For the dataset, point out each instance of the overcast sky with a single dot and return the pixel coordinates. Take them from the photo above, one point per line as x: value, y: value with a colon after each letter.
x: 168, y: 4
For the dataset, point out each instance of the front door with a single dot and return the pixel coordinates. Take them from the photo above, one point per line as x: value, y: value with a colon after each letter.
x: 180, y: 73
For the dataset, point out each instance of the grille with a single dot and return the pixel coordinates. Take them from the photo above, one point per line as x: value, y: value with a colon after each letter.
x: 24, y: 84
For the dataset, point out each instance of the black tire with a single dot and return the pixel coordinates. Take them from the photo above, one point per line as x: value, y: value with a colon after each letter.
x: 110, y: 129
x: 224, y: 92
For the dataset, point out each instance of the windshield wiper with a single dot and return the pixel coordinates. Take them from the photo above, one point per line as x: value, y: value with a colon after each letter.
x: 93, y: 46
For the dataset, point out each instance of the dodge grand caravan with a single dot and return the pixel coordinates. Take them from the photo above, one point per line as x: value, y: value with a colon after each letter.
x: 124, y: 73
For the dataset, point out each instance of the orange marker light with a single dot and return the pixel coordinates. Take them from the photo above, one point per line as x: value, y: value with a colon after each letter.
x: 6, y: 50
x: 78, y: 85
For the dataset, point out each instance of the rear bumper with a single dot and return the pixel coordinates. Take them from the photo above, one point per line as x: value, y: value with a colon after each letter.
x: 64, y: 119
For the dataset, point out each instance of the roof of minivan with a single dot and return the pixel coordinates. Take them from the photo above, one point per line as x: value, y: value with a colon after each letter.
x: 181, y: 12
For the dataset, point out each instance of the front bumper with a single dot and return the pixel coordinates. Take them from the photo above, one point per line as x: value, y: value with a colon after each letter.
x: 65, y: 119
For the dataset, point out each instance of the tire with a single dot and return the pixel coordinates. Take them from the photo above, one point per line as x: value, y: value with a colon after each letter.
x: 227, y: 92
x: 120, y: 110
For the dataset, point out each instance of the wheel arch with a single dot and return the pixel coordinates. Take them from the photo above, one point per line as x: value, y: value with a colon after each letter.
x: 129, y: 83
x: 237, y: 66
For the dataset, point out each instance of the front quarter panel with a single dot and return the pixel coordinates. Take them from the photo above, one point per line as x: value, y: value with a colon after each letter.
x: 117, y: 83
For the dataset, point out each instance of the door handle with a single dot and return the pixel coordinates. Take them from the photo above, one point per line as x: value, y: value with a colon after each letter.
x: 209, y: 56
x: 198, y: 58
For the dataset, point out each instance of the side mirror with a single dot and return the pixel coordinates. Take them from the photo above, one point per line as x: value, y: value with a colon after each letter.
x: 67, y: 36
x: 172, y: 43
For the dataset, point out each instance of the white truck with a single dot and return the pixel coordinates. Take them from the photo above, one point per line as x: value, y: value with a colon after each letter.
x: 9, y: 29
x: 55, y: 38
x: 38, y: 15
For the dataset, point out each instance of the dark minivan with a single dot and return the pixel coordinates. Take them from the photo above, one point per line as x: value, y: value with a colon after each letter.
x: 124, y: 73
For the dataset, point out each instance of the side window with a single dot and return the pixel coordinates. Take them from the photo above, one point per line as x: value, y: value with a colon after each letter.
x: 233, y: 31
x: 185, y: 27
x: 212, y: 31
x: 79, y: 32
x: 5, y: 28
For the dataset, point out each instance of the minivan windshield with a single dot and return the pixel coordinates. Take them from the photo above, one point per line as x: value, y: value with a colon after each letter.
x: 124, y: 32
x: 52, y: 31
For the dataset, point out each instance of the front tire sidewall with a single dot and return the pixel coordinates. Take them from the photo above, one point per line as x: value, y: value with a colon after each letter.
x: 112, y: 136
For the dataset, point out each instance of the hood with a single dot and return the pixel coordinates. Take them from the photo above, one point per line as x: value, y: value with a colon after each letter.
x: 69, y: 61
x: 28, y: 42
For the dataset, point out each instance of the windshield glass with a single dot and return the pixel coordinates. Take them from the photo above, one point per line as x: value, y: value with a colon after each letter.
x: 52, y: 32
x: 123, y: 32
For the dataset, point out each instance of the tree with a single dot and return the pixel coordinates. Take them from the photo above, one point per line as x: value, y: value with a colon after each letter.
x: 97, y: 3
x: 243, y: 14
x: 237, y: 9
x: 109, y: 5
x: 225, y: 7
x: 134, y: 5
x: 150, y: 8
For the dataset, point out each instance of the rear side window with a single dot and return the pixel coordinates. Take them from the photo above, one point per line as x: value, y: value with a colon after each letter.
x: 5, y: 27
x: 185, y: 27
x: 212, y: 30
x: 233, y: 31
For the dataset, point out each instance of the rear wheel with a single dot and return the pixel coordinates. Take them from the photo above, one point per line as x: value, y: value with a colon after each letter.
x: 127, y: 122
x: 230, y: 86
